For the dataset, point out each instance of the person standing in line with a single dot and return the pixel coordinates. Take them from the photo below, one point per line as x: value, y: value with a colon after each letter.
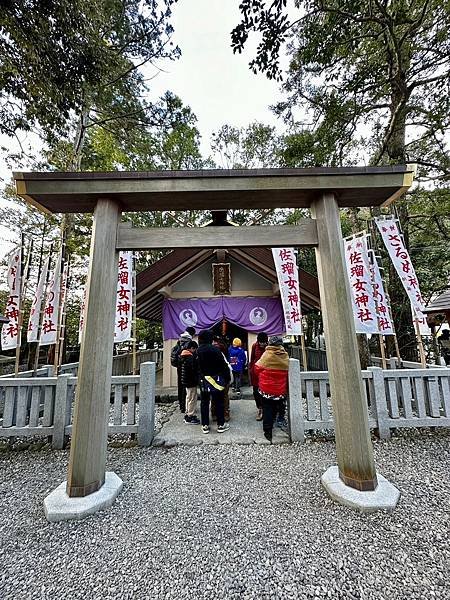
x: 189, y: 380
x: 214, y: 375
x: 238, y: 360
x: 272, y: 372
x: 185, y: 338
x: 221, y: 344
x: 256, y: 352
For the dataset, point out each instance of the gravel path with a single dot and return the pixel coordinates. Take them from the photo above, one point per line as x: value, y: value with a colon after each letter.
x: 235, y: 522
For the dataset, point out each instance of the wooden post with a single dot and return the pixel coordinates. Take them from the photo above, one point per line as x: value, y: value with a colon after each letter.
x: 382, y: 351
x: 423, y: 359
x: 89, y: 433
x: 304, y: 357
x: 353, y: 444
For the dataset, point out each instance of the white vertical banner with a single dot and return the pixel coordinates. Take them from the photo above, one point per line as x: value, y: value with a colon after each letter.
x: 35, y: 312
x: 401, y: 260
x: 287, y: 273
x: 385, y: 325
x: 50, y: 318
x: 82, y: 316
x: 124, y: 303
x: 358, y: 273
x: 10, y: 331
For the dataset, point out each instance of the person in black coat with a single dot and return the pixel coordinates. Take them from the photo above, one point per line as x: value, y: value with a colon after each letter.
x: 189, y: 380
x: 214, y: 375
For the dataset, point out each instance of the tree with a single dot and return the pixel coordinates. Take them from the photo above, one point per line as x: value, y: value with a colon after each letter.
x: 77, y: 60
x: 372, y: 79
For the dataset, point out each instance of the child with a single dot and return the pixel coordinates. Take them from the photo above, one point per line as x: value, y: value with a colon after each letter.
x: 189, y: 380
x: 238, y: 361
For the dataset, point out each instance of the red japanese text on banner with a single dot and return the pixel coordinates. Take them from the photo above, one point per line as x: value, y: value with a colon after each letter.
x: 287, y: 273
x: 50, y: 317
x: 401, y: 260
x: 124, y: 302
x: 358, y: 272
x: 35, y: 312
x: 385, y: 326
x: 10, y: 330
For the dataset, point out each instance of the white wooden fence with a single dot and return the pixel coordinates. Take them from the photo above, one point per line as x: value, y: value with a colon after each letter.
x: 393, y: 363
x: 43, y: 406
x: 122, y: 363
x: 395, y: 398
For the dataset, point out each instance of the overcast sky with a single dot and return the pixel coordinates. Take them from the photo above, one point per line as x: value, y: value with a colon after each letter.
x: 208, y: 77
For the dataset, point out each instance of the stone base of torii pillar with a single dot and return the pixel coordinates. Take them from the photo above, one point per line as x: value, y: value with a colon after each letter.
x: 384, y: 497
x: 59, y: 506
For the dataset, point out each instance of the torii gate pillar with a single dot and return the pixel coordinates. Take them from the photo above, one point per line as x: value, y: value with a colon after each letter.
x: 354, y: 481
x: 353, y: 443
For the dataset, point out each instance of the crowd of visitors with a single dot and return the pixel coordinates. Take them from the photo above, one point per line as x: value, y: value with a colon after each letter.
x: 213, y: 367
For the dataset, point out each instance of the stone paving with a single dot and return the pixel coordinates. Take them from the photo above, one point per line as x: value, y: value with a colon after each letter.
x: 244, y: 428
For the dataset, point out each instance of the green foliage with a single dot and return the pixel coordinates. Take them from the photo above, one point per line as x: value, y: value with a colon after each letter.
x: 64, y: 60
x: 362, y: 71
x: 251, y: 147
x: 367, y: 81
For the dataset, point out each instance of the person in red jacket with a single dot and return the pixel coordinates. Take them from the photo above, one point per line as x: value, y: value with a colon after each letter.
x: 272, y: 372
x: 256, y: 352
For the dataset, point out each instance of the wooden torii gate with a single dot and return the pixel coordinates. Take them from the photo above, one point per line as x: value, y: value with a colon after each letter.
x: 323, y: 190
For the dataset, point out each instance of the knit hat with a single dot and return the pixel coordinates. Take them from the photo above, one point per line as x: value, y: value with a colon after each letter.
x: 237, y: 342
x: 205, y: 336
x: 262, y: 337
x: 185, y: 337
x: 275, y: 340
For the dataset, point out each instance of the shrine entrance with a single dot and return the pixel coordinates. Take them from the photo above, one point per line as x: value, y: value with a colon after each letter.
x: 229, y: 331
x: 322, y: 190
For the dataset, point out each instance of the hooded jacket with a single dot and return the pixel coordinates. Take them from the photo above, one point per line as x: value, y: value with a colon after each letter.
x: 189, y: 370
x: 272, y: 371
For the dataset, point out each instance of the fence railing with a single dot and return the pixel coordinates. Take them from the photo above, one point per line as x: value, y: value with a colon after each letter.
x: 393, y: 363
x: 395, y: 398
x: 316, y: 359
x: 43, y: 406
x: 45, y: 371
x: 122, y: 363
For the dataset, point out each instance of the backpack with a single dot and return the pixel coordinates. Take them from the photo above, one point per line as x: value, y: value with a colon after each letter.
x: 174, y: 354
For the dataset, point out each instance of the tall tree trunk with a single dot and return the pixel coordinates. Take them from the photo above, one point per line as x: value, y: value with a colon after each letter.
x: 396, y: 153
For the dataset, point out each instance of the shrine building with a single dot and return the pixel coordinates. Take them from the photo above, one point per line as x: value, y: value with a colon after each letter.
x: 232, y: 291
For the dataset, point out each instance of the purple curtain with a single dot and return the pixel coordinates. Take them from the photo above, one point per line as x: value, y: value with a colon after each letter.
x: 251, y: 313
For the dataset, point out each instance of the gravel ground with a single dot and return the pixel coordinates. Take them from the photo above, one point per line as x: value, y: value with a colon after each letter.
x: 235, y: 522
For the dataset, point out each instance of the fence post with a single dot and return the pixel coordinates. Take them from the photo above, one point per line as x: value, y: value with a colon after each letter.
x: 380, y: 403
x: 393, y: 363
x: 59, y: 419
x: 146, y: 426
x: 295, y: 404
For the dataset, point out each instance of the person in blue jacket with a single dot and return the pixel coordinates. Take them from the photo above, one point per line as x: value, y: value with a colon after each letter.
x: 238, y: 361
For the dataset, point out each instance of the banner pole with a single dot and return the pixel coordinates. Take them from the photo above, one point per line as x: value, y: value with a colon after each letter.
x: 382, y: 350
x: 62, y: 333
x: 24, y: 274
x: 41, y: 312
x: 305, y: 359
x: 420, y: 344
x: 58, y: 326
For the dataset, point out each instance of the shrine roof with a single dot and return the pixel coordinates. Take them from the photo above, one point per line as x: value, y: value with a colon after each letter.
x: 439, y: 304
x: 214, y: 189
x: 177, y: 264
